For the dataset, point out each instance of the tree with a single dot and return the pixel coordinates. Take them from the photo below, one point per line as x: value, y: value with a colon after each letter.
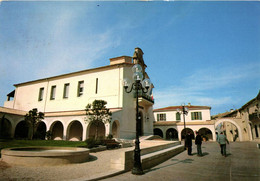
x: 97, y: 114
x: 32, y: 118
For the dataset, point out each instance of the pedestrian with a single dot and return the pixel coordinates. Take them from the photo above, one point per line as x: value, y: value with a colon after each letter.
x: 222, y: 140
x: 198, y: 142
x: 188, y: 143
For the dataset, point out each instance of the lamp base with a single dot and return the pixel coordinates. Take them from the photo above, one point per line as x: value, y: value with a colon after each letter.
x: 137, y: 171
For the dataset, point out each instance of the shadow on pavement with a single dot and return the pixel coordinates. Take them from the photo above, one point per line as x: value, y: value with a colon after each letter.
x: 92, y: 158
x: 174, y: 160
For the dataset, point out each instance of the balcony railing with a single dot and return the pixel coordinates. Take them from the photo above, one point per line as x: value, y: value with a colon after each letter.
x: 145, y: 96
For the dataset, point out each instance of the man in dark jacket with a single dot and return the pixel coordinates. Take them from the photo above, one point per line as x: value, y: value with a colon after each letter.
x: 188, y: 143
x: 198, y: 142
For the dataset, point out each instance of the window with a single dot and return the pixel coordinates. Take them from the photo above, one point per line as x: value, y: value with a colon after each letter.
x: 66, y: 90
x: 196, y: 116
x: 41, y: 91
x: 53, y: 92
x: 96, y: 85
x: 80, y: 88
x: 161, y: 117
x: 178, y: 116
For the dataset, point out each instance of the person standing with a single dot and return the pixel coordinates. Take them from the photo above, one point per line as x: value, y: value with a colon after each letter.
x: 222, y: 140
x: 188, y: 143
x: 198, y: 142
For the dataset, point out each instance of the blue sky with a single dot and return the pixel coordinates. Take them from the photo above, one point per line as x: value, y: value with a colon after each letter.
x: 203, y: 53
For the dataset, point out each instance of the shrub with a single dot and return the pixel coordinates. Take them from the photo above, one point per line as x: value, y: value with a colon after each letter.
x: 91, y: 142
x: 48, y: 135
x: 109, y: 137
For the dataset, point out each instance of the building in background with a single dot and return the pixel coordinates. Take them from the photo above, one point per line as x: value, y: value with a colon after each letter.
x: 63, y: 99
x: 169, y: 122
x: 241, y: 124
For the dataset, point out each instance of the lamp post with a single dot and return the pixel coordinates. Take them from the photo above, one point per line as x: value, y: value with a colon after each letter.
x: 184, y: 110
x: 143, y: 86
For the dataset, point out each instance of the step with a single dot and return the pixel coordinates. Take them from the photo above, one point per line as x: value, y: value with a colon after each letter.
x: 163, y: 145
x: 150, y: 156
x: 155, y: 158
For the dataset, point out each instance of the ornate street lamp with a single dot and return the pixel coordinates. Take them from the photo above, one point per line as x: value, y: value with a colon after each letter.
x: 143, y: 86
x: 183, y: 111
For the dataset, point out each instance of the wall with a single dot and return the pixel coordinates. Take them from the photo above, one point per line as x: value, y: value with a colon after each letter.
x: 171, y: 115
x: 27, y: 95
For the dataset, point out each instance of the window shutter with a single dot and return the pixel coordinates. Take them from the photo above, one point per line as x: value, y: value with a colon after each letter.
x: 200, y: 116
x: 158, y: 117
x: 192, y: 116
x: 178, y: 117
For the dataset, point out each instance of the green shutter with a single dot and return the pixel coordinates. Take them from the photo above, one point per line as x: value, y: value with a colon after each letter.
x: 158, y: 117
x: 178, y: 116
x: 200, y: 116
x: 192, y: 116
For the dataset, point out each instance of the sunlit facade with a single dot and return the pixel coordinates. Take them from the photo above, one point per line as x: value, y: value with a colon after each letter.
x: 63, y: 99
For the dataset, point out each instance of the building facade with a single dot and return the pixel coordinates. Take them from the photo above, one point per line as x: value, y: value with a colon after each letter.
x: 170, y: 122
x: 63, y: 99
x: 242, y: 124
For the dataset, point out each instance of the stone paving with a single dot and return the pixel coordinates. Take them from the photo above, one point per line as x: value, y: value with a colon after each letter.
x: 242, y: 163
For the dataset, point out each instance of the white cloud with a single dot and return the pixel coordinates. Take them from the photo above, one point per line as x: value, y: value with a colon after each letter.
x: 198, y: 88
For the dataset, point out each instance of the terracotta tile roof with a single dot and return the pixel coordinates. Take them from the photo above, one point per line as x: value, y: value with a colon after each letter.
x: 225, y: 114
x: 174, y: 108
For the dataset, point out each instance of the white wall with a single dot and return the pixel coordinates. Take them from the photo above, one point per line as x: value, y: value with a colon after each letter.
x: 171, y: 115
x: 26, y: 96
x: 110, y: 88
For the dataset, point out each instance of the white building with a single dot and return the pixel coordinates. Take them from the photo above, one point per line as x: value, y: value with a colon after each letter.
x: 170, y: 122
x: 63, y: 99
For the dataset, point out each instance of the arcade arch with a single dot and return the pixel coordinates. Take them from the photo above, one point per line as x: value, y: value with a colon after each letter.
x: 115, y: 129
x: 158, y: 132
x: 171, y: 134
x: 96, y: 129
x: 5, y: 128
x: 234, y: 132
x: 57, y: 130
x: 21, y: 130
x: 75, y: 131
x: 40, y: 130
x: 206, y: 133
x: 185, y: 131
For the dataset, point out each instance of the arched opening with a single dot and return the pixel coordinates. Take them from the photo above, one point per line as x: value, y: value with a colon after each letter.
x: 186, y: 131
x: 141, y: 124
x: 21, y: 130
x: 74, y: 131
x: 57, y: 131
x: 206, y: 134
x: 256, y: 132
x: 229, y: 129
x: 115, y: 129
x: 171, y: 134
x: 40, y: 131
x: 97, y: 130
x: 5, y: 128
x: 158, y: 132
